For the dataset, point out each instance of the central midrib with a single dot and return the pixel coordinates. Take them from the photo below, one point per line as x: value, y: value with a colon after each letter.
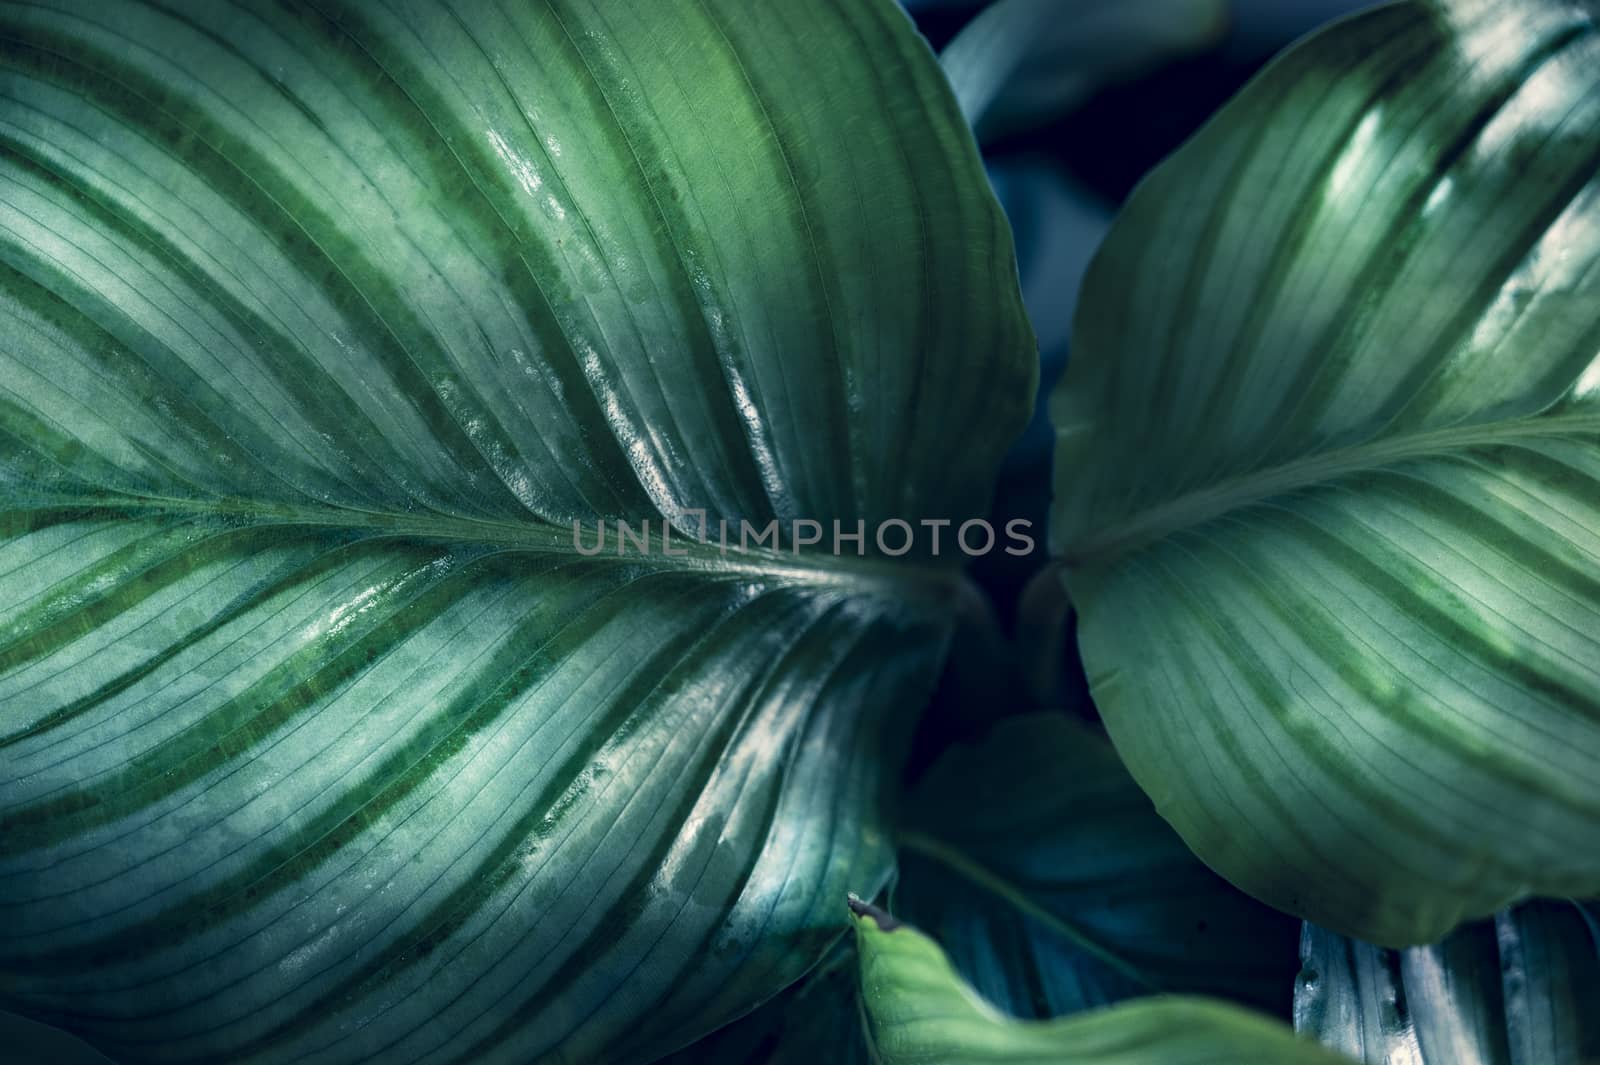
x: 915, y: 581
x: 1206, y: 504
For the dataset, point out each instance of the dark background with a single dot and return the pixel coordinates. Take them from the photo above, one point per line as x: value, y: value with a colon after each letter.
x: 1061, y: 185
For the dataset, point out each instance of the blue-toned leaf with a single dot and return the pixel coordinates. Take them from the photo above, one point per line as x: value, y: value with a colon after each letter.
x: 1043, y: 870
x: 1523, y: 989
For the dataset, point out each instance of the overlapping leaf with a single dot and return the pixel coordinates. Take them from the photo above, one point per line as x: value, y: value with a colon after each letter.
x: 321, y: 323
x: 1041, y: 868
x: 1039, y: 865
x: 1329, y: 472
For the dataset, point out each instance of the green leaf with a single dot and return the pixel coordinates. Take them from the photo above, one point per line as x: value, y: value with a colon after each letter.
x: 1055, y: 887
x: 1523, y: 989
x: 320, y: 327
x: 918, y: 1011
x: 1329, y: 473
x: 1023, y: 63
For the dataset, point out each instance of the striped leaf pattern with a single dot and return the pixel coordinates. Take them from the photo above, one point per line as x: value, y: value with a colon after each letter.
x: 321, y: 323
x: 1523, y: 989
x: 1329, y: 472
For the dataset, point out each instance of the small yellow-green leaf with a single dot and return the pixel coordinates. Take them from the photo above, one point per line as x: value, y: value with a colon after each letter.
x: 918, y: 1011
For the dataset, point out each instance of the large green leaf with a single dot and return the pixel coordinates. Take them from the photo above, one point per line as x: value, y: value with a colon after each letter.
x: 918, y: 1011
x: 320, y: 325
x: 1329, y: 472
x: 1523, y: 989
x: 1042, y: 869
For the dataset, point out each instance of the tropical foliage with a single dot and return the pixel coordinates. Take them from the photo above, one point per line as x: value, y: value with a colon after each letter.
x: 332, y: 334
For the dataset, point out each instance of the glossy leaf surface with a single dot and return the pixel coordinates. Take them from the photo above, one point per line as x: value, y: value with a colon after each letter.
x: 321, y: 325
x: 1329, y: 472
